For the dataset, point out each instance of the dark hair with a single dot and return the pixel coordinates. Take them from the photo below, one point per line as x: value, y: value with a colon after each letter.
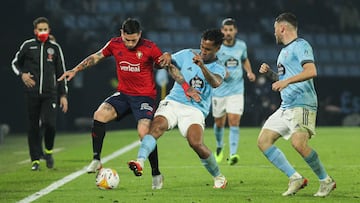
x: 40, y: 20
x: 229, y: 21
x: 213, y: 35
x: 131, y: 26
x: 287, y: 17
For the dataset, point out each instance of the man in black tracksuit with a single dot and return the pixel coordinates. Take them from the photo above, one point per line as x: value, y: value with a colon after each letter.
x: 39, y: 63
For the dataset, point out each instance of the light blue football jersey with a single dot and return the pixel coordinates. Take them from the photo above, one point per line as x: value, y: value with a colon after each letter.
x: 289, y: 63
x: 194, y: 76
x: 232, y: 57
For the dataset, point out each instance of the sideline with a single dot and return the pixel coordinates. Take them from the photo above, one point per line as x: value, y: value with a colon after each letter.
x: 76, y: 174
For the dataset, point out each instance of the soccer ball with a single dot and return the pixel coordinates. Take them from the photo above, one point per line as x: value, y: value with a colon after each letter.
x: 107, y: 179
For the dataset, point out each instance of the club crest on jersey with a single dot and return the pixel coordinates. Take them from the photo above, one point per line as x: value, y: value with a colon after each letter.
x: 139, y: 54
x: 50, y: 52
x: 197, y: 83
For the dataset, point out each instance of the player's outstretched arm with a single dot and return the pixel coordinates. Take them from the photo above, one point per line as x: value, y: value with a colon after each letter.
x: 87, y: 62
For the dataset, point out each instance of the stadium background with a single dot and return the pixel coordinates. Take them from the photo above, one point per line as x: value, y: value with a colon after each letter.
x: 84, y: 26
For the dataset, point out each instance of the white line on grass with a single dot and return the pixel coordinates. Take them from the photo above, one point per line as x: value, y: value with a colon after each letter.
x: 76, y: 174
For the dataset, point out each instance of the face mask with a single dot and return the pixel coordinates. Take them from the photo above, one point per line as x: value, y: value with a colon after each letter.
x: 42, y: 36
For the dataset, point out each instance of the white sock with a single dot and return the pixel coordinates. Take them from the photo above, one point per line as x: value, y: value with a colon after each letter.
x: 296, y: 175
x: 141, y: 161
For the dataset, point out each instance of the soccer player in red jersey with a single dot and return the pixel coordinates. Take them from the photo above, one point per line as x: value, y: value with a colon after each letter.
x: 136, y: 92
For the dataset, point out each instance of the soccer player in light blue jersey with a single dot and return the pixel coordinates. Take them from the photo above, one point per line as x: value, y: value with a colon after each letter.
x: 228, y: 99
x: 296, y: 117
x: 201, y: 72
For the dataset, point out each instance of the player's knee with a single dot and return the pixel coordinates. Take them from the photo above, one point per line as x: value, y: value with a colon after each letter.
x: 263, y: 142
x: 102, y: 116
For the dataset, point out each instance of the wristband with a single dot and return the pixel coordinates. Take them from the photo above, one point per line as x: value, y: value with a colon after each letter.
x: 185, y: 86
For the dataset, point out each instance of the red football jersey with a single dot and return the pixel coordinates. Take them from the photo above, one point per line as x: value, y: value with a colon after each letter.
x: 134, y: 67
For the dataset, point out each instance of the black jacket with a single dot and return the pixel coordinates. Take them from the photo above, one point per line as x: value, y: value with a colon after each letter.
x: 45, y: 61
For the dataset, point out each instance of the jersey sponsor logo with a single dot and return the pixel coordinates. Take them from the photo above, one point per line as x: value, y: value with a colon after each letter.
x: 50, y: 52
x: 146, y: 106
x: 129, y: 67
x: 231, y: 63
x: 139, y: 54
x: 33, y: 47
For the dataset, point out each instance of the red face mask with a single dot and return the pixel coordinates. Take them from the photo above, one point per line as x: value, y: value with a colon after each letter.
x: 42, y: 36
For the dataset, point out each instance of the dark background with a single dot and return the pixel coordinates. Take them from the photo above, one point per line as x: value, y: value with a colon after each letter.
x: 82, y: 27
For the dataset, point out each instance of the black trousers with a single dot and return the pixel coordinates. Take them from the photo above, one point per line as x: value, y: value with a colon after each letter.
x: 42, y: 112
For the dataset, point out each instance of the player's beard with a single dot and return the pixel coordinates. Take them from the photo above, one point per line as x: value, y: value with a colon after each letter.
x: 278, y: 40
x: 229, y: 38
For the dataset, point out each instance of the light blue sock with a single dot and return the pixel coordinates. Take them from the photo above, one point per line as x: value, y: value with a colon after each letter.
x: 148, y: 144
x: 219, y: 134
x: 277, y: 157
x: 234, y: 136
x: 314, y: 162
x: 211, y: 165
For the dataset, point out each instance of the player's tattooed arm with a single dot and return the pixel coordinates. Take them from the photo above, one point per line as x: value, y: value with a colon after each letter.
x: 89, y: 61
x: 190, y: 92
x: 175, y: 73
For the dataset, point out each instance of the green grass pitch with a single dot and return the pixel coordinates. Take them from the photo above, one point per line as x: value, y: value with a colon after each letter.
x: 253, y: 179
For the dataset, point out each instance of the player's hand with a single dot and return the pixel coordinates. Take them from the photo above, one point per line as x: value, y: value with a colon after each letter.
x: 193, y: 93
x: 27, y: 78
x: 251, y: 76
x: 64, y: 104
x: 165, y: 59
x: 279, y: 85
x: 264, y: 68
x: 197, y: 59
x: 68, y: 75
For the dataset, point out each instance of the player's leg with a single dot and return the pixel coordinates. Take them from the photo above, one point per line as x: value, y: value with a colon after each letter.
x: 143, y: 109
x: 191, y: 125
x: 48, y: 123
x: 234, y: 136
x: 34, y: 138
x: 157, y: 178
x: 195, y: 139
x: 112, y: 108
x: 164, y: 114
x: 105, y: 113
x: 219, y: 126
x: 275, y: 125
x: 218, y: 112
x: 303, y: 130
x: 234, y: 109
x: 158, y: 126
